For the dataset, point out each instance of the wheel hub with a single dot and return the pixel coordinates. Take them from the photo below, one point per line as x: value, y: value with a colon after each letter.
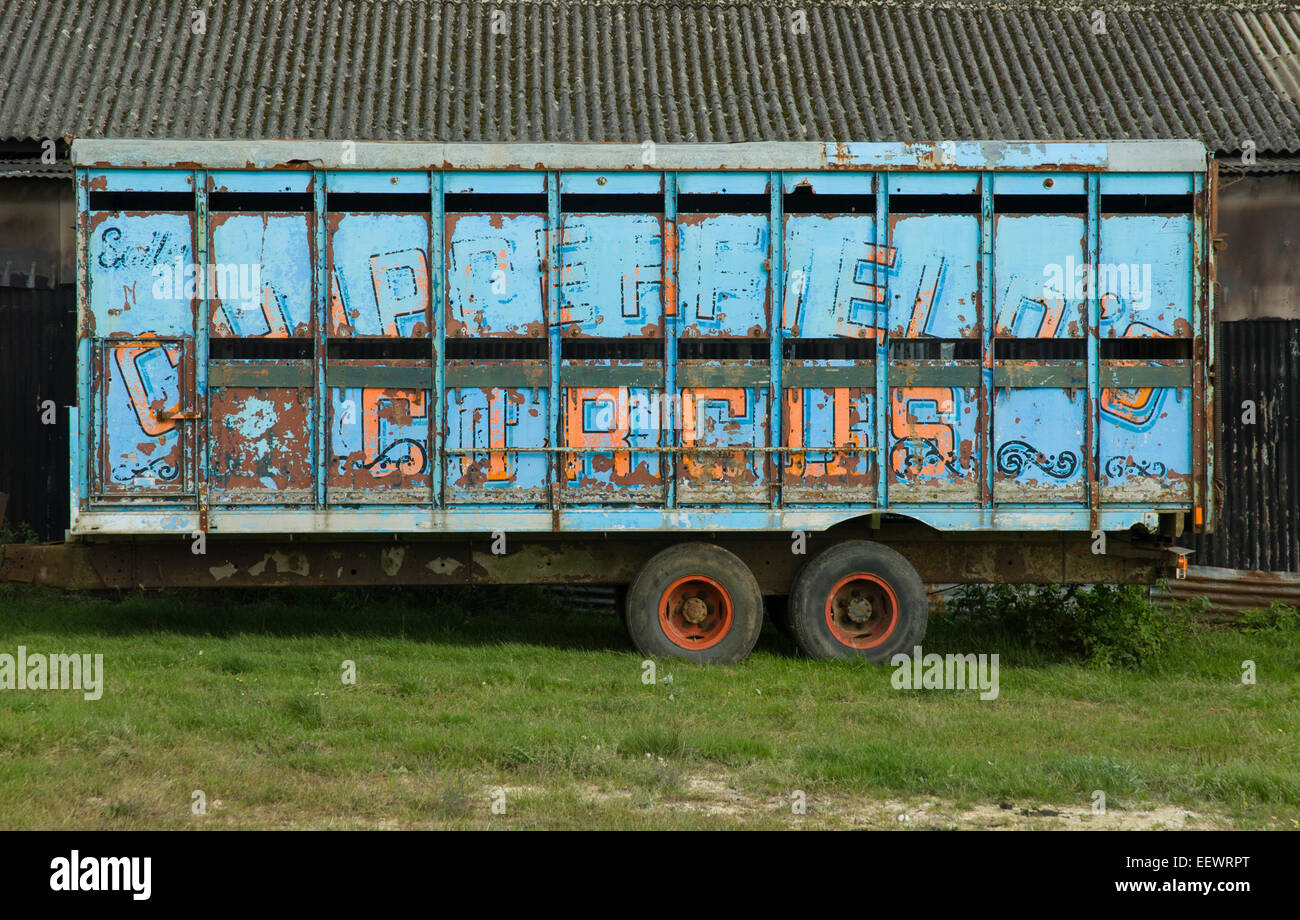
x: 862, y: 610
x: 857, y: 607
x: 694, y: 610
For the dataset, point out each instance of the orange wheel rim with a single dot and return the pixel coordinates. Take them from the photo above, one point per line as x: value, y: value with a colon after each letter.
x: 862, y: 610
x: 696, y: 612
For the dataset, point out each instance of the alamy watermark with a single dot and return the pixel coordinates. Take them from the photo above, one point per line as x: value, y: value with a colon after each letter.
x: 229, y: 281
x: 1076, y: 281
x: 38, y: 671
x: 946, y: 672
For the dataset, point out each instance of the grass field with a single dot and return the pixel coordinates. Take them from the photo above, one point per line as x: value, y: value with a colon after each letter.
x: 466, y: 699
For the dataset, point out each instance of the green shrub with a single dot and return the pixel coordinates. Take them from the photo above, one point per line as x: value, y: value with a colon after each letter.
x: 1279, y: 617
x: 1108, y: 626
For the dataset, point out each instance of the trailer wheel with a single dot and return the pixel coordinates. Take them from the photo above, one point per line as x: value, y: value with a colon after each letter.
x: 858, y: 600
x: 695, y: 601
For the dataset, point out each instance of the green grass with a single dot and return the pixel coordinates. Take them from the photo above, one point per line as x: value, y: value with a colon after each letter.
x: 461, y: 693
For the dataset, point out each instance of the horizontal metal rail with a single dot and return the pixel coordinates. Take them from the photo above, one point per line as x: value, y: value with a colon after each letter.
x: 659, y: 450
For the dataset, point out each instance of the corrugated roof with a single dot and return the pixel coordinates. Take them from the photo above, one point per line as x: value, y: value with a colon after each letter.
x: 34, y: 169
x: 727, y: 70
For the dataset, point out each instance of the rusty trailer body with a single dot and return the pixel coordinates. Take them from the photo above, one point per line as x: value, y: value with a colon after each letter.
x: 301, y: 339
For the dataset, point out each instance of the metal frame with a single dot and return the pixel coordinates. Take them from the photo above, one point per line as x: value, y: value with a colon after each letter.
x: 122, y: 158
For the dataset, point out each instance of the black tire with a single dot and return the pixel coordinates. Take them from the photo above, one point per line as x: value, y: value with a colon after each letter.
x: 888, y: 602
x: 702, y: 571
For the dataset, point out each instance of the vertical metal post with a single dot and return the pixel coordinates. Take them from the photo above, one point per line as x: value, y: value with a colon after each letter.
x: 88, y: 418
x: 669, y: 463
x: 437, y: 297
x: 880, y: 185
x: 320, y: 309
x: 200, y: 430
x: 987, y: 326
x: 1202, y: 350
x: 553, y: 230
x: 1093, y: 403
x: 776, y: 396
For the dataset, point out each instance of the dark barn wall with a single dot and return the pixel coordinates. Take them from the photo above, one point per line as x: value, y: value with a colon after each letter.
x: 1258, y: 360
x: 1258, y: 464
x: 37, y: 362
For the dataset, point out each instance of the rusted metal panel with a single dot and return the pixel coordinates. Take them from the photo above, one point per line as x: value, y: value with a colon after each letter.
x: 144, y: 449
x: 262, y: 268
x: 620, y: 418
x: 379, y: 274
x: 835, y: 427
x: 260, y: 448
x: 1230, y: 591
x: 611, y: 275
x: 495, y: 282
x: 932, y: 435
x: 938, y: 558
x: 717, y: 417
x: 379, y: 439
x: 481, y: 423
x: 1145, y: 440
x: 723, y: 275
x: 612, y: 361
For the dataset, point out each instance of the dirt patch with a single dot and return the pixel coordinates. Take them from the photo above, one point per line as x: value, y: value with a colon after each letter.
x: 714, y: 796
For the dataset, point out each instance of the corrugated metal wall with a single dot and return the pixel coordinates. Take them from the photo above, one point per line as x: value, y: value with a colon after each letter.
x: 37, y: 362
x: 1258, y: 464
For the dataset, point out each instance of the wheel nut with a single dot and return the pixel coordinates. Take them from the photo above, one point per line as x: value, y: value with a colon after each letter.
x: 858, y: 610
x: 694, y: 610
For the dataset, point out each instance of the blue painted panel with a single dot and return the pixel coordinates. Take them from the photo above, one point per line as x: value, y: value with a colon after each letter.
x: 379, y: 275
x: 142, y: 273
x: 942, y: 183
x: 497, y: 418
x: 264, y: 272
x: 1145, y: 276
x: 1038, y: 445
x: 141, y: 180
x: 1038, y: 275
x: 934, y: 279
x: 818, y: 419
x: 494, y: 183
x: 597, y: 417
x: 723, y: 417
x: 260, y: 181
x: 1039, y: 184
x: 377, y: 183
x: 1146, y: 184
x: 611, y: 270
x: 830, y: 282
x: 494, y: 275
x: 932, y: 441
x: 616, y: 183
x: 141, y: 451
x: 1146, y: 445
x: 722, y: 283
x: 379, y: 444
x: 730, y: 183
